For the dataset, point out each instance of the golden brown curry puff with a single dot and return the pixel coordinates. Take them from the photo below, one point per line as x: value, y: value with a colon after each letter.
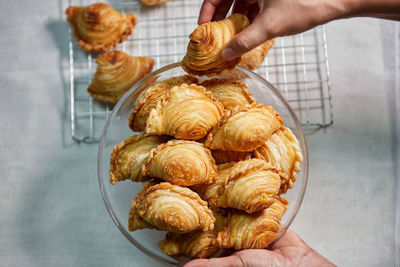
x: 128, y: 157
x: 197, y: 244
x: 181, y: 162
x: 185, y: 112
x: 171, y: 208
x: 245, y: 129
x: 282, y: 150
x: 203, y: 56
x: 249, y: 185
x: 252, y: 59
x: 116, y: 73
x: 99, y: 27
x: 229, y: 92
x: 257, y: 230
x: 149, y: 98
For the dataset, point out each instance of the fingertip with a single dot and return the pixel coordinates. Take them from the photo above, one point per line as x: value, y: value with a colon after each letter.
x: 228, y: 54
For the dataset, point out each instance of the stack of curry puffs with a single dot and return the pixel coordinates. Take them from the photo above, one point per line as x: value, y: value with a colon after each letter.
x: 213, y: 163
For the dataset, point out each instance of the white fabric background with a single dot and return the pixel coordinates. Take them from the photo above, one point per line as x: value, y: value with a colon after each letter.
x: 51, y: 211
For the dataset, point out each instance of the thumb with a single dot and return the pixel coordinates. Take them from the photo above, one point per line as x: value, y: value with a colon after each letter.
x: 251, y: 37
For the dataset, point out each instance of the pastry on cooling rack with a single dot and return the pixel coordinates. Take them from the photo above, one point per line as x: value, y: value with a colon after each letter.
x: 153, y: 2
x: 282, y: 150
x: 171, y: 208
x: 182, y: 163
x: 203, y: 56
x: 149, y: 98
x: 257, y: 230
x: 185, y: 112
x: 224, y: 156
x: 197, y: 244
x: 245, y: 128
x: 99, y: 27
x: 229, y: 92
x: 249, y: 185
x: 116, y: 73
x: 128, y: 157
x: 252, y: 59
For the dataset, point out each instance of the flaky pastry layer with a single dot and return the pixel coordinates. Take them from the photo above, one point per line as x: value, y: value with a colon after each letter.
x: 171, y: 208
x: 128, y: 157
x: 230, y: 92
x: 116, y: 73
x: 257, y: 230
x: 203, y: 56
x: 282, y: 150
x: 149, y: 98
x: 245, y: 128
x: 249, y: 185
x: 181, y: 162
x: 186, y: 112
x: 99, y: 27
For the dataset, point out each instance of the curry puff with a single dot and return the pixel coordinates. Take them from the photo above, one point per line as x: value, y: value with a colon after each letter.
x: 99, y: 27
x: 128, y: 157
x: 171, y: 208
x: 282, y: 150
x: 197, y: 244
x: 245, y: 128
x: 116, y: 73
x: 257, y: 230
x: 149, y: 98
x: 185, y: 112
x: 181, y: 162
x: 229, y: 92
x: 249, y: 185
x: 252, y: 59
x: 203, y: 56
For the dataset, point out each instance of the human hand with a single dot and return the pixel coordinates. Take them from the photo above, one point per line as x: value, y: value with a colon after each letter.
x: 270, y: 19
x: 289, y: 250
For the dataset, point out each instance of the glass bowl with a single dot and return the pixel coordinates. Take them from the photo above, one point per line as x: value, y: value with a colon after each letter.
x: 118, y: 197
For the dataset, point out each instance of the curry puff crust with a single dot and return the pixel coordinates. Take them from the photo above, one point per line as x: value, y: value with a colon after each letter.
x: 197, y: 244
x: 224, y: 156
x: 181, y: 162
x: 116, y: 73
x: 282, y: 150
x: 128, y: 157
x: 203, y: 56
x: 253, y: 59
x: 171, y: 208
x: 245, y: 128
x: 249, y: 185
x: 186, y: 112
x: 257, y: 230
x: 149, y: 98
x: 99, y: 27
x: 230, y: 92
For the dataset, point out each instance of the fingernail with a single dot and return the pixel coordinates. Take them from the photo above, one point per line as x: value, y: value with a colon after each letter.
x: 228, y: 54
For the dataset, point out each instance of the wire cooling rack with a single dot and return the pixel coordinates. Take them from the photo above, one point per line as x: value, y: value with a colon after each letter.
x: 296, y: 65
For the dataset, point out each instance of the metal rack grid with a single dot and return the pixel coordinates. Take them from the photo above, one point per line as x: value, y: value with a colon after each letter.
x: 296, y: 65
